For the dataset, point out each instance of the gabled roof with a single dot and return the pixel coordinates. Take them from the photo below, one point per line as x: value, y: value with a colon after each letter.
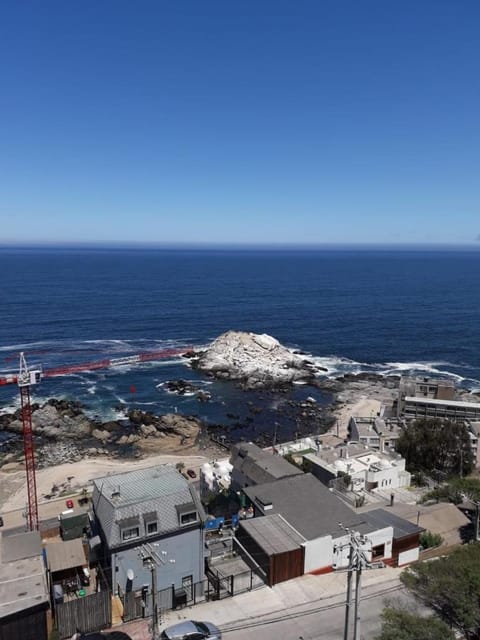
x: 307, y: 505
x: 132, y: 498
x: 261, y: 466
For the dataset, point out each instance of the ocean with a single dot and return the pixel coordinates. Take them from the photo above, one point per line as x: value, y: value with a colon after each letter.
x: 380, y: 311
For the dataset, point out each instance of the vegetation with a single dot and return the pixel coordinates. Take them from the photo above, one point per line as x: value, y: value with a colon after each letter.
x: 439, y: 448
x: 429, y: 540
x: 451, y: 587
x: 398, y: 624
x: 455, y: 491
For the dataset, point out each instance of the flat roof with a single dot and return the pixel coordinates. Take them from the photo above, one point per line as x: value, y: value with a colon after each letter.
x: 23, y: 584
x: 381, y: 518
x: 65, y: 555
x: 273, y: 534
x: 21, y: 546
x: 443, y: 403
x: 307, y: 505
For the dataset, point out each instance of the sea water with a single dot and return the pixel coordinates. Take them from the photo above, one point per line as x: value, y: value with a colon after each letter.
x: 383, y: 311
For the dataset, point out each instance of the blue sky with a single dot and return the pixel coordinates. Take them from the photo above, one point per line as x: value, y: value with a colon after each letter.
x: 240, y: 122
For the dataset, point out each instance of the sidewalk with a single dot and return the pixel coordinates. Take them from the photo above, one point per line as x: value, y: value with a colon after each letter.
x: 292, y: 596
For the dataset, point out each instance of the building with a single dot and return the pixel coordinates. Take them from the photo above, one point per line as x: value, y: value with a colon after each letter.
x: 433, y: 398
x: 154, y: 513
x: 24, y: 596
x: 453, y: 410
x: 366, y: 469
x: 299, y: 521
x: 374, y: 433
x: 252, y: 465
x: 474, y: 434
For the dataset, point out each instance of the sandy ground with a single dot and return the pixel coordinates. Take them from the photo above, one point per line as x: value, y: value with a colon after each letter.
x: 360, y: 398
x: 77, y: 475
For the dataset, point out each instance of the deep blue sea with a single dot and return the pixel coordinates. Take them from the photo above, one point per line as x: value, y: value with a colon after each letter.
x: 353, y: 310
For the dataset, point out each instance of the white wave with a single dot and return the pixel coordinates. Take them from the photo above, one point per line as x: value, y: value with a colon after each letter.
x: 336, y: 366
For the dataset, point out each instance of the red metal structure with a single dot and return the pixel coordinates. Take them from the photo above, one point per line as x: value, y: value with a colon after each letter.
x: 26, y: 378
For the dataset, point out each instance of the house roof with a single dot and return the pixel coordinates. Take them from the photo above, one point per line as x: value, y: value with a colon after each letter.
x: 261, y: 466
x: 381, y: 518
x: 307, y: 505
x: 273, y: 534
x: 133, y: 496
x: 65, y: 555
x: 20, y: 546
x: 23, y: 583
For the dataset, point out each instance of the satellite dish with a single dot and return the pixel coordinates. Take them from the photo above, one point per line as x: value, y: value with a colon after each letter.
x: 130, y: 574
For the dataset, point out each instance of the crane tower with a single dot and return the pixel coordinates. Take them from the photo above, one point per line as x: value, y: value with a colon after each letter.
x: 26, y: 378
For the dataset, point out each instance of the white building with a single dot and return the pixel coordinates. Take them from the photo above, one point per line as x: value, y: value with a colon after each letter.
x: 367, y: 469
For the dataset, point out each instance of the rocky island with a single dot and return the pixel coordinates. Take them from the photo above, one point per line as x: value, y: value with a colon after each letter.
x: 257, y: 361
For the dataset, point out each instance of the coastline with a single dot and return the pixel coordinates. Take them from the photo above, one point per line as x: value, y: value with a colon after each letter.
x: 358, y: 397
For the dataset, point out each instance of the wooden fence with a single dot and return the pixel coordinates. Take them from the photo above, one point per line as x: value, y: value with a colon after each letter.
x: 90, y: 613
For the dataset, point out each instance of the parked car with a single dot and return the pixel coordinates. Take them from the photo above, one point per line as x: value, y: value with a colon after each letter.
x: 191, y: 473
x: 192, y: 630
x: 69, y: 504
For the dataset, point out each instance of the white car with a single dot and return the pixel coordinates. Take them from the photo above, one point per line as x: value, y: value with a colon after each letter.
x: 192, y: 630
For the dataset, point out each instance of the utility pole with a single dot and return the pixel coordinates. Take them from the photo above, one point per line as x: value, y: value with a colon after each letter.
x: 357, y: 561
x: 151, y: 559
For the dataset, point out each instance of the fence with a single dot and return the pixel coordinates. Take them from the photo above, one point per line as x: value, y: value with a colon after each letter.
x: 214, y: 587
x: 90, y: 613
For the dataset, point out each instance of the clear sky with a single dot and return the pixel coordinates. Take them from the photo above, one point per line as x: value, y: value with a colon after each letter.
x: 343, y: 121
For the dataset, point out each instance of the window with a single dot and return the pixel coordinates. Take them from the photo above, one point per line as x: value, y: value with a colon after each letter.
x: 188, y: 518
x: 130, y: 534
x: 151, y: 528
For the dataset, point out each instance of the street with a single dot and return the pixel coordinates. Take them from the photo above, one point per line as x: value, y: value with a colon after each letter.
x: 325, y: 621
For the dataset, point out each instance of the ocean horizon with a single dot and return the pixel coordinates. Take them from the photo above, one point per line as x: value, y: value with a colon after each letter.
x: 353, y: 310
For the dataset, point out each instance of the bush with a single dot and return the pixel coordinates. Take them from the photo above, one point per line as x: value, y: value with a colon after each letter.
x: 429, y: 539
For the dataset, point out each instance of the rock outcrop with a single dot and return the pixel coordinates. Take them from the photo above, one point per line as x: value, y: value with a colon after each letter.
x: 257, y: 361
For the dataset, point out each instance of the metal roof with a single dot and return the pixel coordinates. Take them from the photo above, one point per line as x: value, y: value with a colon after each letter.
x: 273, y: 534
x: 65, y: 555
x: 306, y: 504
x: 260, y: 465
x: 401, y: 528
x: 138, y: 495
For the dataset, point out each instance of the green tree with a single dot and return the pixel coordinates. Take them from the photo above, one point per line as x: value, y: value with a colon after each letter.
x: 451, y: 587
x: 398, y: 624
x: 436, y: 447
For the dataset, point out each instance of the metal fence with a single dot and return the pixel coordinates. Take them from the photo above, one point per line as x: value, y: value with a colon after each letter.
x: 214, y: 587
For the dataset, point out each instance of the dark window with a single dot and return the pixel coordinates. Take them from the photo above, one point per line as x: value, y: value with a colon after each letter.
x: 187, y: 518
x: 378, y: 552
x: 130, y: 534
x: 151, y: 528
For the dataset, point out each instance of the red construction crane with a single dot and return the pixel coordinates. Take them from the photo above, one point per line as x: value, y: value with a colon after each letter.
x: 27, y: 377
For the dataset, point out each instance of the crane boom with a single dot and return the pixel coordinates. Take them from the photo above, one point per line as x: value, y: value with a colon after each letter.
x: 106, y: 363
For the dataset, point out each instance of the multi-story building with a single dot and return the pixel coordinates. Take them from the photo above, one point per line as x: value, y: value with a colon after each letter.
x: 154, y: 513
x: 366, y: 468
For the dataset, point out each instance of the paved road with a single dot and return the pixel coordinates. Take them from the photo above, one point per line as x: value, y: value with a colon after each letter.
x: 325, y: 621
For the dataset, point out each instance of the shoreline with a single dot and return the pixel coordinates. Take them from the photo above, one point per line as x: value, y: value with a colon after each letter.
x: 355, y: 397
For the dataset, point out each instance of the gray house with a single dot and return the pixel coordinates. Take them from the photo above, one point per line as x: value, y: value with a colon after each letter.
x: 252, y: 466
x: 152, y: 512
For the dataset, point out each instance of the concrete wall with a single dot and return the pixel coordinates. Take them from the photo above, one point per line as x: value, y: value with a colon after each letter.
x: 318, y: 554
x: 406, y: 557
